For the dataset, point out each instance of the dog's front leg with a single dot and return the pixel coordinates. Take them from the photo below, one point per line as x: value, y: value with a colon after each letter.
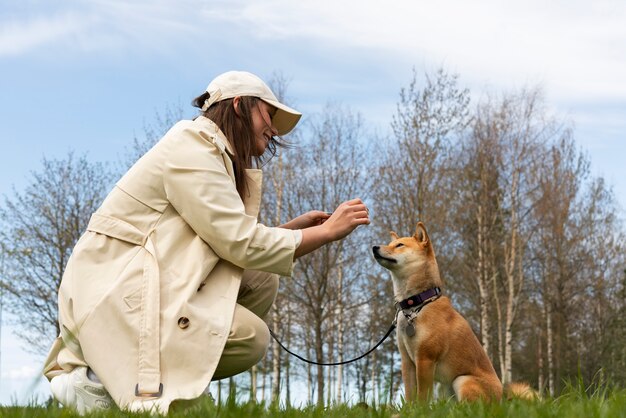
x: 408, y: 374
x: 425, y: 377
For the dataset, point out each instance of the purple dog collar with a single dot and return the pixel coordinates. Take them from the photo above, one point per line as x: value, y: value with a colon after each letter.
x: 419, y: 299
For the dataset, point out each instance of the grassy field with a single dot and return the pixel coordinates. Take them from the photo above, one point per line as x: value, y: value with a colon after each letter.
x: 575, y: 402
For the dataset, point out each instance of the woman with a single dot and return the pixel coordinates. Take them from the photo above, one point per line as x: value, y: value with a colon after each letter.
x: 168, y: 287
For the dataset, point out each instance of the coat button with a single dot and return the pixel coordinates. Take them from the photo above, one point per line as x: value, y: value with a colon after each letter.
x: 183, y: 322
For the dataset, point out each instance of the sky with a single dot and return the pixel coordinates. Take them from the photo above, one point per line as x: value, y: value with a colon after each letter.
x: 88, y: 75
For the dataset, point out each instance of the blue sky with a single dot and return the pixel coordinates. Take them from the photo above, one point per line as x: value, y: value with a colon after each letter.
x: 87, y: 75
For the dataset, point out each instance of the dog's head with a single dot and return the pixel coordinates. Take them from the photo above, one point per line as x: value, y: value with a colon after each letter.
x: 404, y: 256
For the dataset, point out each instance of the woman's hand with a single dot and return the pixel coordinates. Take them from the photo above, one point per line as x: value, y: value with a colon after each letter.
x: 307, y: 220
x: 338, y: 225
x: 346, y: 218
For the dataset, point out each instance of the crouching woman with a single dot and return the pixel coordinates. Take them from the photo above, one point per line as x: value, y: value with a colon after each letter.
x: 169, y: 286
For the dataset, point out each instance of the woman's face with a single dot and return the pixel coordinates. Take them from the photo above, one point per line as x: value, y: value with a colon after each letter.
x: 262, y: 115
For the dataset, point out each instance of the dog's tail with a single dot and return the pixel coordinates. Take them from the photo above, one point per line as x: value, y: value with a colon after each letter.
x: 519, y: 390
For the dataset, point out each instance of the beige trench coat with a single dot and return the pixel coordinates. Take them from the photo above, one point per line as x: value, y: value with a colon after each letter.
x: 148, y: 295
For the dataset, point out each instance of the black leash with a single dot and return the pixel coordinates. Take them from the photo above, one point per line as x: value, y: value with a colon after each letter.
x: 391, y: 328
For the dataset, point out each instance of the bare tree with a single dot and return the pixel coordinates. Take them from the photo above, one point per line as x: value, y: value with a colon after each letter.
x: 577, y: 262
x: 273, y: 212
x: 414, y: 173
x: 39, y: 229
x: 322, y: 180
x: 597, y: 263
x: 478, y: 219
x: 613, y: 349
x: 519, y: 127
x: 524, y: 210
x: 559, y: 179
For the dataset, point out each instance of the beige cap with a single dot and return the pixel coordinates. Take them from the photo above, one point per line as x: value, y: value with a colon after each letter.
x: 243, y: 83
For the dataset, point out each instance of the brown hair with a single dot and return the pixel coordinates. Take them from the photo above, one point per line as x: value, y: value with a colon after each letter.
x: 238, y: 130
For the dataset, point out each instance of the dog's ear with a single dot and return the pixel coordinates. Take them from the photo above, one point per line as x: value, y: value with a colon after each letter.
x: 394, y: 236
x: 421, y: 235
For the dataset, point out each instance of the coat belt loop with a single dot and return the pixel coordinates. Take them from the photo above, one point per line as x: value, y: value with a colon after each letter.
x: 149, y: 379
x: 149, y: 368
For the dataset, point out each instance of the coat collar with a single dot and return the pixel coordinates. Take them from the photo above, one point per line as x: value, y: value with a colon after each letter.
x: 220, y: 139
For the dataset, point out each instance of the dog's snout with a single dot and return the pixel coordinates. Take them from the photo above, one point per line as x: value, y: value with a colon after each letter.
x: 375, y: 248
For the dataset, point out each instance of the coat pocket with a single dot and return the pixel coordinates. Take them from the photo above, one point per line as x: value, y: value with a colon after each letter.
x: 133, y: 300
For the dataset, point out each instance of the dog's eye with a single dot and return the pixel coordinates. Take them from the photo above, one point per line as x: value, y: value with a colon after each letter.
x: 399, y: 245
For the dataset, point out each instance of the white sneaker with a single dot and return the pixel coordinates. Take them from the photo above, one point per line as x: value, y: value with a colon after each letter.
x: 75, y: 390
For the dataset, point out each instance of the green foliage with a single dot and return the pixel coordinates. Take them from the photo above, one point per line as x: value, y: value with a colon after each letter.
x: 577, y: 400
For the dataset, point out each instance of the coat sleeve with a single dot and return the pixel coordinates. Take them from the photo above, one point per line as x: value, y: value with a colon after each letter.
x: 199, y: 187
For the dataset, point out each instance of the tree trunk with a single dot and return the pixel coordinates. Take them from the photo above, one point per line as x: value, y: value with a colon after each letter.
x: 253, y: 376
x: 391, y: 377
x: 275, y: 358
x: 499, y: 318
x: 373, y: 376
x: 511, y: 257
x: 275, y: 316
x: 232, y: 389
x: 483, y: 287
x: 540, y: 372
x: 288, y: 363
x: 340, y: 322
x: 319, y: 356
x: 550, y: 353
x: 264, y: 382
x: 506, y: 377
x: 309, y: 383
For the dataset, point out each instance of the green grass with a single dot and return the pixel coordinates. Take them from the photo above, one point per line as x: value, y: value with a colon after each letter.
x: 576, y: 401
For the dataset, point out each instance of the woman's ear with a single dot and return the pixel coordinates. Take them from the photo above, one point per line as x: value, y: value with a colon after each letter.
x: 236, y: 101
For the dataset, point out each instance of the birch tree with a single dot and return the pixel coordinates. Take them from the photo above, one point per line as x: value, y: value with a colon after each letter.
x: 522, y: 130
x: 329, y: 172
x: 479, y: 220
x: 598, y: 262
x: 414, y: 174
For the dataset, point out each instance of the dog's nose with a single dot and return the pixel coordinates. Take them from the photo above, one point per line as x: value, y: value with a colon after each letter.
x: 375, y: 248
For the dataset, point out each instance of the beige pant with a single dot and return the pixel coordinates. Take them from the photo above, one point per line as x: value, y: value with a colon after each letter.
x: 249, y: 336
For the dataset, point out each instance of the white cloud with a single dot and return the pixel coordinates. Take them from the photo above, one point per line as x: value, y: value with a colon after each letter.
x: 100, y: 25
x: 21, y: 36
x: 23, y: 372
x: 576, y: 48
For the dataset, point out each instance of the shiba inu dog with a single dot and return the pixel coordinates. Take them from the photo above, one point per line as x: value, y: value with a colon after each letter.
x: 436, y: 343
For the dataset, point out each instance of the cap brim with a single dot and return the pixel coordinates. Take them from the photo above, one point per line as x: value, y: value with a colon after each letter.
x: 285, y: 118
